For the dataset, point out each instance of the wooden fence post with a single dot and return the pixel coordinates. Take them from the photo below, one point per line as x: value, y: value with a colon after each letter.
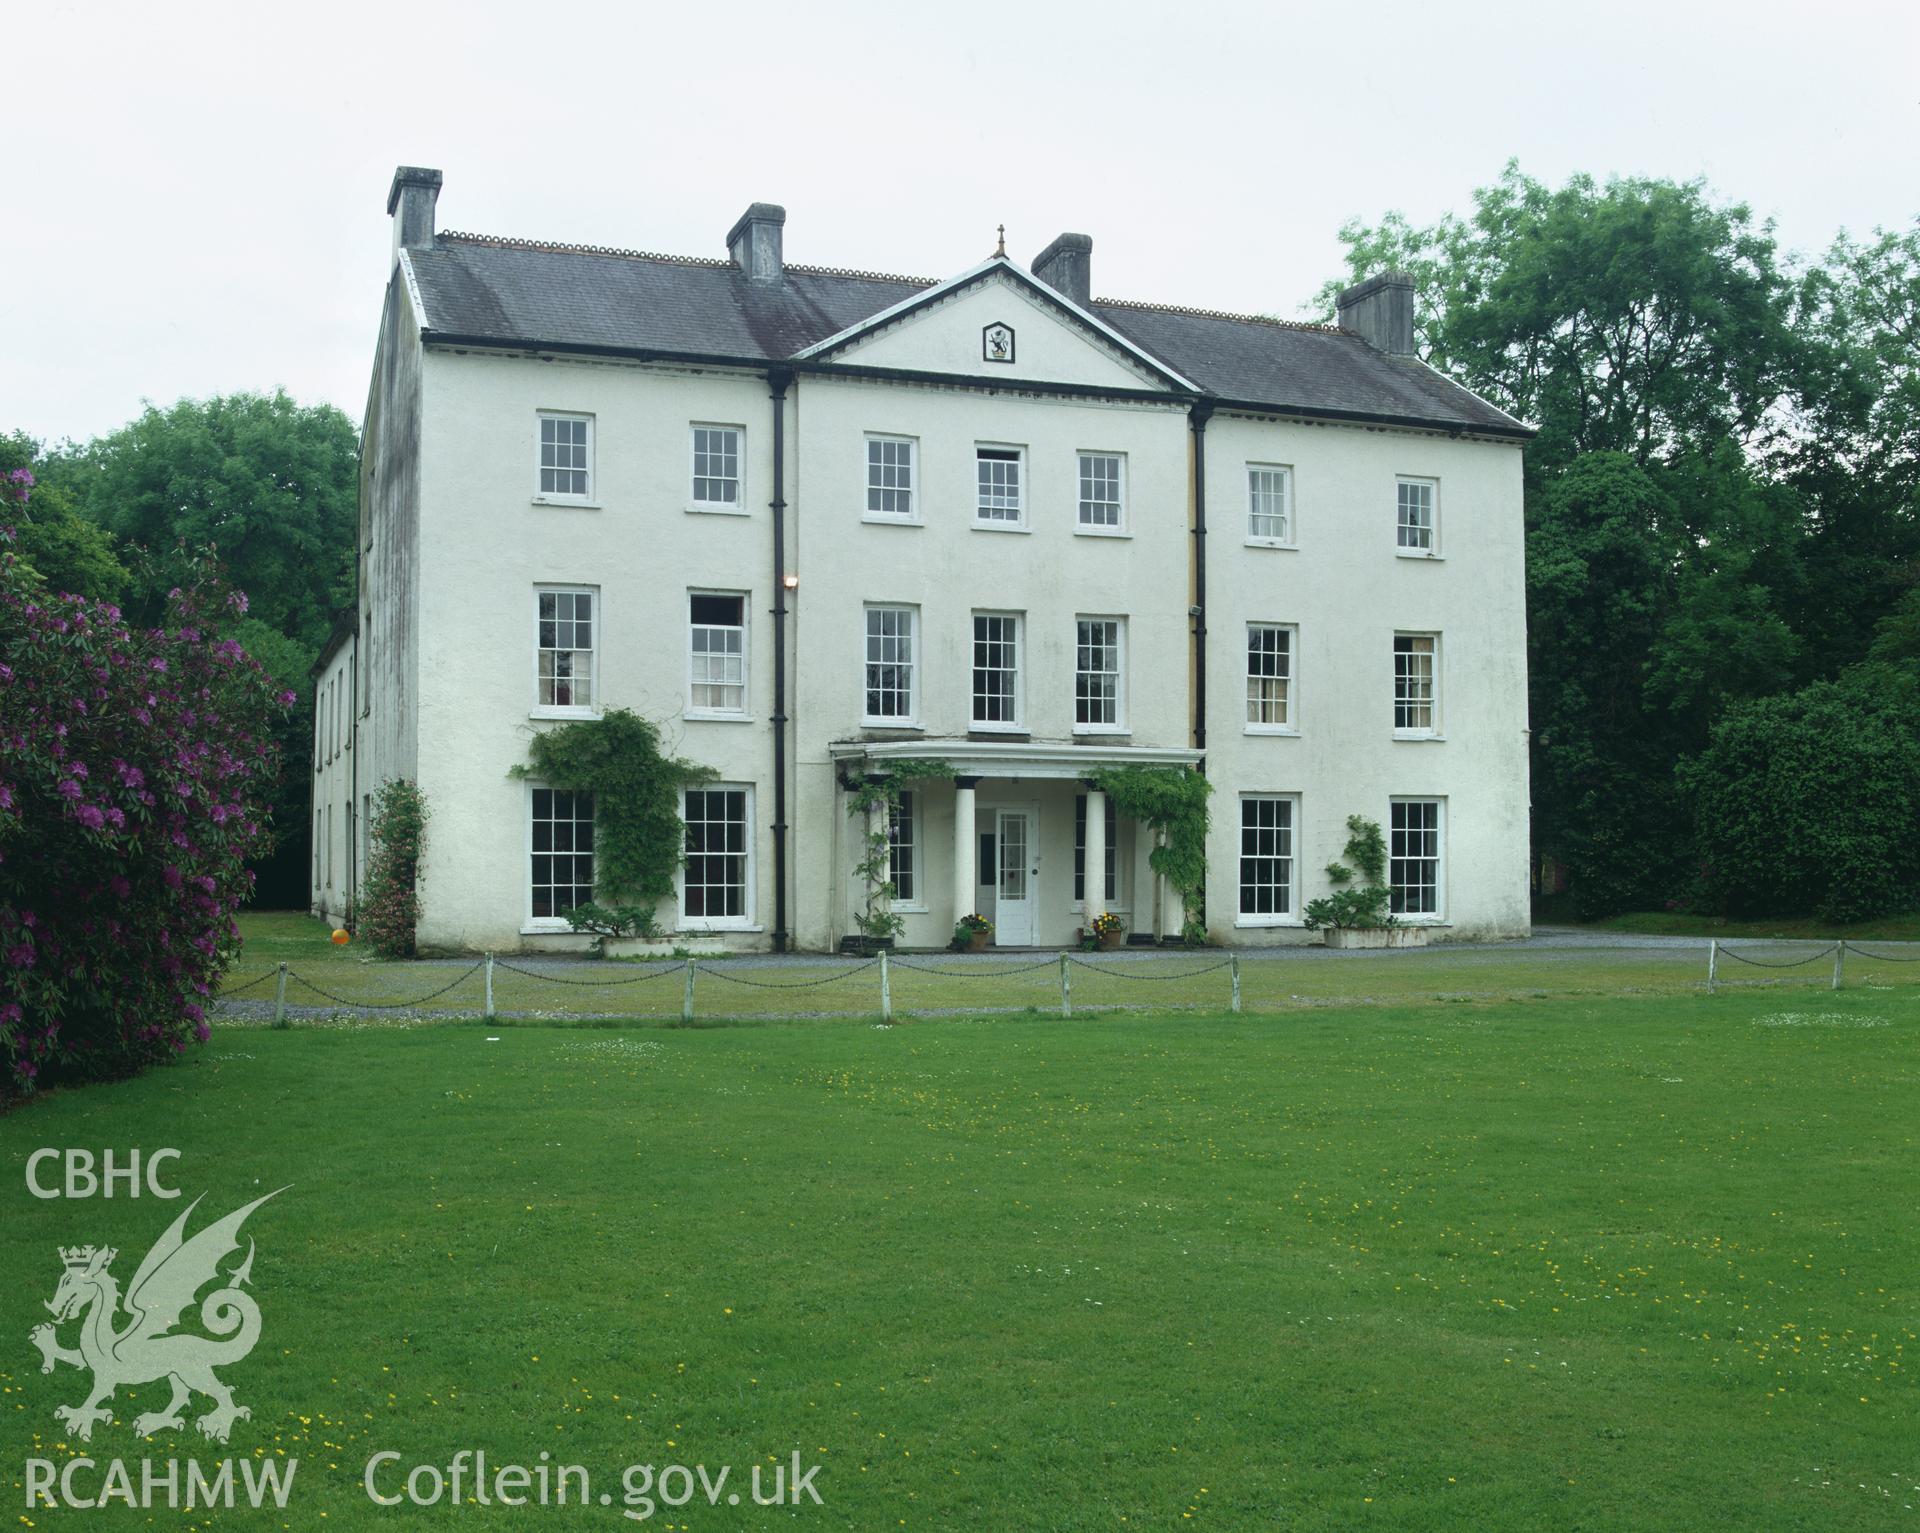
x: 886, y: 989
x: 489, y: 987
x: 1713, y: 962
x: 1839, y: 962
x: 686, y: 1004
x: 1234, y: 960
x: 1066, y: 989
x: 280, y: 999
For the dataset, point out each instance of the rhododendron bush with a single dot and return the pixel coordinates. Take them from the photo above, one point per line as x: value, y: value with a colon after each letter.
x: 133, y: 768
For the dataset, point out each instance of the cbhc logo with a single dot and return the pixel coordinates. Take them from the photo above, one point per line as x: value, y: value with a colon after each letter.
x: 83, y: 1181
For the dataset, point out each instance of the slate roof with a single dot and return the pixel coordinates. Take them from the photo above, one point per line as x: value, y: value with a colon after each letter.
x: 486, y: 290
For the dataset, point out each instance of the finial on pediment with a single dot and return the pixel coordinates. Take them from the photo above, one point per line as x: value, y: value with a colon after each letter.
x: 1003, y: 241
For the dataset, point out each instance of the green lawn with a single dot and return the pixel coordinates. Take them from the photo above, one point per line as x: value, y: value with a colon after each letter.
x: 1605, y: 1264
x: 1558, y: 910
x: 1305, y: 978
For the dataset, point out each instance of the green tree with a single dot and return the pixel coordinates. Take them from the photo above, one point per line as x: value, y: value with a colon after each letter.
x: 59, y: 545
x: 1633, y: 316
x: 271, y: 485
x: 1808, y: 800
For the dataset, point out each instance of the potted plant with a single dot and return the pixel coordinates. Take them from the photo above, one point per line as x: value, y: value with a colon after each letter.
x: 971, y: 934
x: 1106, y: 930
x: 1361, y: 915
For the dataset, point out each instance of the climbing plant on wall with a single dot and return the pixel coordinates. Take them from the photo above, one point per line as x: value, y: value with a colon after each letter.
x: 1173, y: 800
x: 873, y: 801
x: 639, y: 837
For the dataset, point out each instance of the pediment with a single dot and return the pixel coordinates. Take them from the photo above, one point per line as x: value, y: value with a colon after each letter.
x: 999, y: 324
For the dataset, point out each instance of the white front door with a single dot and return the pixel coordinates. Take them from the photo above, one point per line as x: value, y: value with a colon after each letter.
x: 1014, y: 888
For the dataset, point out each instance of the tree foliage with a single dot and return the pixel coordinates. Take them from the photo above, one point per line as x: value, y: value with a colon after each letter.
x: 273, y: 487
x: 1809, y: 800
x: 1723, y: 501
x: 1633, y: 316
x: 134, y: 766
x: 52, y: 540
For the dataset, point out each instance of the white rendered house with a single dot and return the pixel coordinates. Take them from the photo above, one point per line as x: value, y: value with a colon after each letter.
x: 817, y: 522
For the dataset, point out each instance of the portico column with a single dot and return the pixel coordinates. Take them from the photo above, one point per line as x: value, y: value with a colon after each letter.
x: 966, y: 876
x: 1096, y: 859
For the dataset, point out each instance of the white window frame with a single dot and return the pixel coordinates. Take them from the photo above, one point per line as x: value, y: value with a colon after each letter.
x: 1431, y: 730
x: 982, y: 522
x: 913, y: 816
x: 588, y: 710
x: 1290, y: 536
x: 1081, y: 526
x: 1119, y: 726
x: 733, y: 715
x: 911, y: 719
x: 911, y: 517
x: 745, y: 921
x: 1291, y: 916
x: 735, y: 507
x: 543, y: 497
x: 1018, y: 723
x: 530, y: 921
x: 1438, y: 915
x: 1400, y: 528
x: 1292, y: 725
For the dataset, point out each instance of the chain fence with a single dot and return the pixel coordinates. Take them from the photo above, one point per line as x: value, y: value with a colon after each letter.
x: 1473, y: 964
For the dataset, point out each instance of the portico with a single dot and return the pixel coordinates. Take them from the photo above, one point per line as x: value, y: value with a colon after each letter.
x: 1025, y: 829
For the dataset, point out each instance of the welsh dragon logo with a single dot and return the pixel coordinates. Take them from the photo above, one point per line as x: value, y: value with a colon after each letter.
x: 145, y: 1347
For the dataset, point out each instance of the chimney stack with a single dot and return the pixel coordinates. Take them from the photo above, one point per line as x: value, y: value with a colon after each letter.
x: 410, y: 203
x: 753, y: 242
x: 1066, y: 266
x: 1380, y: 312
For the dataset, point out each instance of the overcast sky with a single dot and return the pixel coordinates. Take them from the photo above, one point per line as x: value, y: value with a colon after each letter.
x: 198, y: 191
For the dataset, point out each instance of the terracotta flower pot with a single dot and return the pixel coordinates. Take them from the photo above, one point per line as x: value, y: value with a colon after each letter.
x: 977, y: 942
x: 1111, y: 940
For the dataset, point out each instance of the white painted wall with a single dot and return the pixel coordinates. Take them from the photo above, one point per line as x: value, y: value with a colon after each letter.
x: 454, y: 692
x: 949, y: 565
x: 335, y: 819
x: 1349, y: 590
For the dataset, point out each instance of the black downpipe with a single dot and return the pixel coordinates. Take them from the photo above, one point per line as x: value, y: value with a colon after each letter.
x: 1202, y: 410
x: 777, y: 383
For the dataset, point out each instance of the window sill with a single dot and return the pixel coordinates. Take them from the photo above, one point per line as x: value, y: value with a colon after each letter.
x: 875, y: 519
x: 714, y: 928
x: 977, y: 728
x: 897, y: 726
x: 1416, y: 553
x: 693, y: 717
x: 567, y: 503
x: 1431, y: 922
x: 1274, y: 731
x: 1079, y: 908
x: 1101, y: 532
x: 1278, y: 544
x: 1269, y: 923
x: 908, y: 909
x: 697, y: 509
x: 980, y: 526
x: 1101, y: 731
x: 539, y: 928
x: 1419, y: 736
x: 547, y: 711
